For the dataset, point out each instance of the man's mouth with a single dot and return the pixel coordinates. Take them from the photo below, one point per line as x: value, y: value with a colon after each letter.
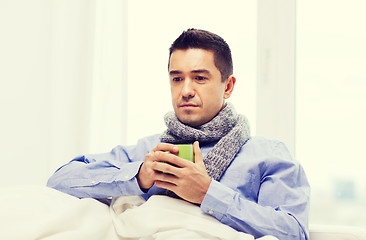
x: 187, y: 105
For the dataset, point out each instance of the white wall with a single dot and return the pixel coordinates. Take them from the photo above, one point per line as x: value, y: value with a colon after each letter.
x: 25, y: 90
x: 52, y: 64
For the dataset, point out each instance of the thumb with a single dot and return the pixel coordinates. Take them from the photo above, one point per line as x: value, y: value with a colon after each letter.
x: 197, y: 153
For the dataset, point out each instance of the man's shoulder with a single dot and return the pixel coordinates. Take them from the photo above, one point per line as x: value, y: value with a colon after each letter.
x: 261, y: 141
x: 266, y: 148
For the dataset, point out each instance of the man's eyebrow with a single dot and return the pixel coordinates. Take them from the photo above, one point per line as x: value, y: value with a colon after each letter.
x: 201, y: 71
x: 175, y: 72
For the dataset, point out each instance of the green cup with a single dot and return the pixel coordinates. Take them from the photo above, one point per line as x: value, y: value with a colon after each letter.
x: 186, y: 151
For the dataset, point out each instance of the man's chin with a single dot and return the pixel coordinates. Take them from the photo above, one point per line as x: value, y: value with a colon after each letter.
x: 189, y: 121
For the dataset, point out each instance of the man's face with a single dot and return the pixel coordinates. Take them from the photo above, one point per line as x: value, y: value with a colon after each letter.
x: 198, y: 93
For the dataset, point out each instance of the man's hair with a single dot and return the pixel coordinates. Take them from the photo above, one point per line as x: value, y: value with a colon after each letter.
x: 202, y: 39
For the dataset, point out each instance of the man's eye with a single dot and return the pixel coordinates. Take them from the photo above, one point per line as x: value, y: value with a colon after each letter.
x: 200, y: 78
x: 177, y: 79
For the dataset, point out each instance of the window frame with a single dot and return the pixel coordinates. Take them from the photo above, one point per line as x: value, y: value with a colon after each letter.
x: 276, y: 69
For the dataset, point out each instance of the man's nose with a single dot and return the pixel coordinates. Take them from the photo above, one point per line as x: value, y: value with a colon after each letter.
x: 188, y: 88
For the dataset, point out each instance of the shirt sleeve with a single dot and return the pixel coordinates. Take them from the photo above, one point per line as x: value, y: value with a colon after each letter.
x: 280, y: 207
x: 102, y: 176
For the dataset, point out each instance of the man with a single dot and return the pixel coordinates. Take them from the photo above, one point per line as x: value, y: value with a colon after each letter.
x: 248, y: 183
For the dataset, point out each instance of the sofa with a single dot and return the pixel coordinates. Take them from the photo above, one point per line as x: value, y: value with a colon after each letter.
x: 329, y: 232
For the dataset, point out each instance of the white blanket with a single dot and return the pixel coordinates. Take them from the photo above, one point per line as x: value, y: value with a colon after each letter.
x: 44, y: 213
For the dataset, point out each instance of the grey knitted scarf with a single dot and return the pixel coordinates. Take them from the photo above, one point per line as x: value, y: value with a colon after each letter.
x: 231, y: 130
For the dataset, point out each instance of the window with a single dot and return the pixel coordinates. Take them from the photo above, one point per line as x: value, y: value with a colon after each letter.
x: 331, y: 100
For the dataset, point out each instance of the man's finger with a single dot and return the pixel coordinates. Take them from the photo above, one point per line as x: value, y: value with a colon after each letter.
x: 197, y: 153
x: 171, y: 159
x: 166, y: 147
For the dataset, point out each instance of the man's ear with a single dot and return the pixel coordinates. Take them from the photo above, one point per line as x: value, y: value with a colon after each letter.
x: 229, y: 86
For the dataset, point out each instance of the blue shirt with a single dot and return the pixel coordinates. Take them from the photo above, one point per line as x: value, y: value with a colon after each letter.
x: 264, y: 191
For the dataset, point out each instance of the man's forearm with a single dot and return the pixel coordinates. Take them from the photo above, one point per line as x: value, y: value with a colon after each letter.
x: 247, y: 216
x: 84, y: 180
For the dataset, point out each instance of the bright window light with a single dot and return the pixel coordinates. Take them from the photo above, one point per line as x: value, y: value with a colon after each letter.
x: 331, y: 100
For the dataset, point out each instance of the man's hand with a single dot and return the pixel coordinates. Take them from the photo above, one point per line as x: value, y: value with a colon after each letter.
x: 145, y: 176
x: 188, y: 180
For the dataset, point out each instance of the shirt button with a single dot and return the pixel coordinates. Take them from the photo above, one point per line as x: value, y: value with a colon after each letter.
x: 127, y: 177
x: 93, y: 182
x: 210, y: 212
